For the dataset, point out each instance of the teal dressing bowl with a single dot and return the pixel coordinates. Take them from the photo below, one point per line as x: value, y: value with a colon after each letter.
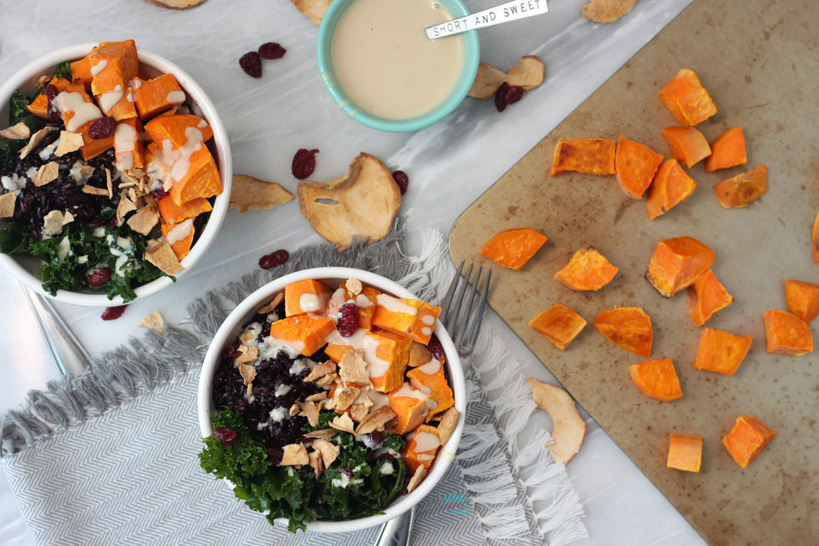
x: 469, y: 69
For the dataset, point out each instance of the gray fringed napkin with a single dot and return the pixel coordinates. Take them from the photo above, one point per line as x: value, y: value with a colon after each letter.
x: 110, y: 456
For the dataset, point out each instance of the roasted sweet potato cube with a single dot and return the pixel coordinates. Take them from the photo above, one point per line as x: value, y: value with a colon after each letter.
x: 803, y: 299
x: 677, y: 263
x: 172, y: 213
x: 410, y: 407
x: 705, y: 297
x: 68, y: 99
x: 740, y: 190
x: 684, y: 452
x: 585, y: 155
x: 157, y: 95
x: 787, y: 334
x: 431, y: 378
x: 113, y: 64
x: 687, y: 99
x: 201, y: 179
x: 412, y: 318
x: 92, y: 147
x: 627, y: 327
x: 178, y: 129
x: 688, y: 145
x: 657, y: 379
x: 335, y: 351
x: 39, y: 106
x: 558, y: 324
x: 81, y: 70
x: 512, y: 248
x: 727, y: 150
x: 422, y: 444
x: 587, y: 270
x: 128, y: 146
x: 304, y: 333
x: 747, y: 439
x: 307, y: 296
x: 671, y: 186
x: 721, y: 352
x: 182, y: 246
x: 390, y: 360
x: 635, y: 165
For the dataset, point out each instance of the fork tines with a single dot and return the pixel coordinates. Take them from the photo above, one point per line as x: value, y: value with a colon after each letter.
x: 462, y: 313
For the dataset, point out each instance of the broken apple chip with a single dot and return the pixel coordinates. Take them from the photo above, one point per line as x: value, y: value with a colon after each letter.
x: 360, y: 204
x: 154, y: 321
x: 375, y: 420
x: 163, y: 256
x: 144, y: 220
x: 343, y: 422
x: 248, y: 193
x: 313, y: 9
x: 569, y: 428
x: 320, y: 370
x: 295, y: 454
x: 19, y: 131
x: 528, y: 73
x: 607, y: 11
x: 447, y: 425
x: 54, y: 221
x: 272, y: 305
x: 35, y: 140
x: 353, y: 368
x: 344, y: 396
x: 419, y: 474
x: 309, y: 410
x: 487, y: 81
x: 47, y: 174
x: 69, y: 142
x: 7, y: 202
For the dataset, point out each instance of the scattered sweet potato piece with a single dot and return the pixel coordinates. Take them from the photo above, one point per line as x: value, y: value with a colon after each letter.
x: 130, y: 152
x: 607, y: 11
x: 705, y: 297
x: 306, y: 333
x: 787, y: 333
x: 410, y: 407
x: 684, y: 452
x: 113, y: 66
x: 671, y: 186
x: 414, y: 319
x: 747, y: 439
x: 677, y: 263
x: 157, y: 95
x: 172, y: 213
x: 635, y: 166
x: 803, y: 299
x: 739, y: 191
x: 391, y: 350
x: 584, y: 155
x: 307, y: 296
x: 39, y: 106
x: 176, y: 129
x: 183, y: 246
x: 587, y: 270
x: 431, y: 379
x: 81, y: 70
x: 200, y: 180
x: 627, y: 327
x: 568, y: 426
x: 512, y: 248
x: 558, y: 324
x: 487, y: 81
x: 657, y: 379
x: 727, y: 150
x: 422, y: 444
x: 688, y: 145
x: 687, y: 99
x: 720, y: 351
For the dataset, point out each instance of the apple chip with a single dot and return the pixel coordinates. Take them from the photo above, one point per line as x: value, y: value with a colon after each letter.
x: 329, y: 451
x: 486, y: 82
x: 154, y: 321
x: 318, y: 397
x: 352, y: 367
x: 343, y: 422
x: 449, y: 420
x: 376, y: 420
x: 320, y: 370
x: 248, y: 193
x: 124, y: 207
x: 7, y: 202
x: 354, y: 286
x: 420, y: 472
x: 248, y: 373
x: 54, y: 221
x: 607, y: 11
x: 309, y: 410
x: 358, y: 412
x: 18, y: 131
x: 247, y: 354
x: 294, y: 409
x: 362, y: 203
x: 568, y: 427
x: 47, y: 174
x: 36, y: 139
x: 344, y: 396
x: 295, y: 454
x: 69, y: 142
x: 324, y: 434
x: 163, y: 256
x: 272, y: 305
x: 528, y: 73
x: 144, y: 220
x: 313, y: 9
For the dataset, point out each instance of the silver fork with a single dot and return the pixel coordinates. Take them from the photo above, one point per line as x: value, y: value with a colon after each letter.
x: 461, y: 315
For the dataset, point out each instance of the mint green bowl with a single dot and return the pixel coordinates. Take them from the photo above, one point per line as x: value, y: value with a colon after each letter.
x: 471, y: 52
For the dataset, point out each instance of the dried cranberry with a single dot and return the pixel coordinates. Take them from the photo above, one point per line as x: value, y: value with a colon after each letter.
x: 435, y: 347
x: 51, y: 93
x: 225, y: 435
x: 346, y: 471
x: 231, y: 351
x: 99, y: 276
x: 274, y: 455
x: 402, y: 180
x: 374, y: 438
x: 94, y: 224
x: 160, y: 192
x: 102, y: 128
x: 274, y: 259
x: 271, y: 51
x: 506, y: 95
x: 112, y: 313
x: 304, y: 163
x: 251, y: 63
x: 347, y: 319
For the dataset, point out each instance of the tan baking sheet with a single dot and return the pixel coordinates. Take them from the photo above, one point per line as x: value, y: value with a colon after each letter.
x: 759, y: 61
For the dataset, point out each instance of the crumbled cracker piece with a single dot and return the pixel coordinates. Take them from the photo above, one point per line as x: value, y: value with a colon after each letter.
x: 353, y: 369
x: 19, y: 131
x: 343, y: 422
x: 607, y: 11
x: 420, y: 472
x: 354, y: 286
x: 249, y: 354
x: 324, y: 434
x: 329, y: 451
x: 144, y: 220
x: 36, y: 139
x: 7, y: 202
x: 320, y: 370
x: 69, y: 142
x: 311, y: 411
x: 447, y: 425
x: 248, y: 193
x: 272, y: 305
x: 47, y: 173
x: 487, y: 81
x: 375, y: 420
x: 295, y: 454
x: 163, y: 256
x: 154, y: 321
x: 344, y: 396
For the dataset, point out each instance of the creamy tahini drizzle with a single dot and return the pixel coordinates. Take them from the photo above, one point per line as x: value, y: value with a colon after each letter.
x: 75, y: 102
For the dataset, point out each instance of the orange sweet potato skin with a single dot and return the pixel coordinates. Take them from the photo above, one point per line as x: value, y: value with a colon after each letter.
x: 747, y: 439
x: 627, y: 327
x: 588, y: 270
x: 513, y: 248
x: 787, y: 333
x: 705, y: 297
x: 721, y: 352
x: 677, y: 263
x: 584, y: 155
x: 657, y: 379
x: 634, y: 166
x: 687, y: 99
x: 671, y: 186
x: 559, y: 324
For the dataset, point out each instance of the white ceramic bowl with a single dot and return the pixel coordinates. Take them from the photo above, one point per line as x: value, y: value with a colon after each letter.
x: 27, y: 269
x: 230, y: 330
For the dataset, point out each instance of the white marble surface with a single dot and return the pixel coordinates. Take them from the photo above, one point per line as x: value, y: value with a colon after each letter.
x: 449, y: 165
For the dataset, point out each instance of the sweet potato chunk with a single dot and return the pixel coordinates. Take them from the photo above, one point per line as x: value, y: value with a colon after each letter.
x: 739, y: 191
x: 178, y: 129
x: 305, y: 333
x: 671, y: 186
x: 412, y: 318
x: 687, y: 99
x: 81, y: 70
x: 720, y: 351
x: 705, y: 297
x: 422, y: 444
x: 635, y: 166
x: 657, y: 379
x: 514, y: 247
x: 307, y: 296
x: 585, y: 155
x: 747, y: 439
x: 431, y: 379
x: 410, y: 407
x: 39, y: 106
x: 391, y: 357
x: 366, y: 301
x: 677, y: 263
x: 688, y: 145
x: 181, y: 247
x: 558, y: 324
x: 803, y: 299
x: 684, y: 452
x: 130, y: 152
x: 727, y: 150
x: 587, y: 270
x: 627, y: 327
x: 158, y: 95
x: 172, y: 213
x: 113, y: 66
x: 787, y: 333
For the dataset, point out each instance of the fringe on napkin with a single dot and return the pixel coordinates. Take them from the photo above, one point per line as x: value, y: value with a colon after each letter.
x: 509, y: 504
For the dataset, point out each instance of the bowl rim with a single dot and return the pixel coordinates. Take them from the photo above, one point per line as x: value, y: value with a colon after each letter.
x: 230, y: 329
x: 472, y: 59
x: 46, y: 62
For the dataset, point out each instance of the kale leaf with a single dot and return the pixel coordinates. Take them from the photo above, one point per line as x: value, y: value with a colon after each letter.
x: 63, y: 70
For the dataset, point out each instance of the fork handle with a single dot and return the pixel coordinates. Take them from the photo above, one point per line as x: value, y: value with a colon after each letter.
x: 398, y: 530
